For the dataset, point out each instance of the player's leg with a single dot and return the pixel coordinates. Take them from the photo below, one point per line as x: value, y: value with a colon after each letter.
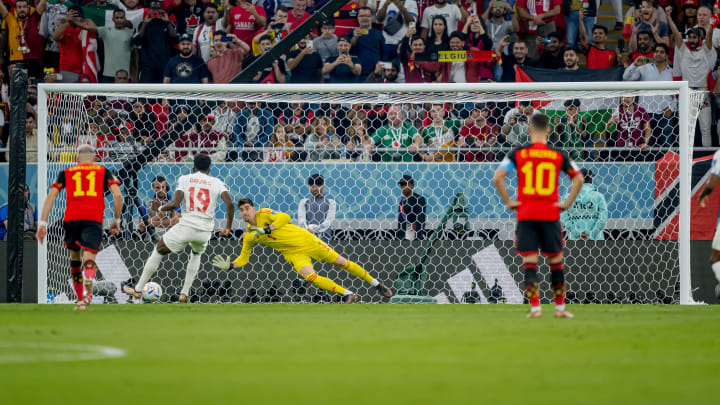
x: 359, y: 272
x: 527, y: 241
x: 90, y: 240
x: 76, y: 273
x: 715, y: 258
x: 151, y: 266
x: 552, y: 246
x: 303, y: 265
x: 193, y: 266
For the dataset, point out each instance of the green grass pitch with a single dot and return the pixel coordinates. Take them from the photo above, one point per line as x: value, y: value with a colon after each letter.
x: 364, y: 354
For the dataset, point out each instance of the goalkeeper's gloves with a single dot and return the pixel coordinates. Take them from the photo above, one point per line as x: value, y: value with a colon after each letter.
x: 223, y: 263
x: 260, y: 231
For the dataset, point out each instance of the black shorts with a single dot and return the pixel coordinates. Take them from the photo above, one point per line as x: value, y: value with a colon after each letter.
x: 544, y: 235
x: 82, y: 234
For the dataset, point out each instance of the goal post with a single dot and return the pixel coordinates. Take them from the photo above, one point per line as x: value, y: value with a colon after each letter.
x: 71, y: 104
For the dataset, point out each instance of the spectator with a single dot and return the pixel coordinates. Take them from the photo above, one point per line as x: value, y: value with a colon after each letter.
x: 570, y: 131
x: 394, y: 16
x: 634, y: 14
x: 578, y: 19
x: 515, y: 125
x: 317, y: 213
x: 647, y: 20
x: 412, y: 53
x: 326, y: 44
x: 226, y: 61
x: 30, y: 216
x: 518, y: 58
x: 123, y: 146
x: 276, y: 30
x: 276, y: 72
x: 204, y: 35
x: 121, y: 76
x: 22, y: 34
x: 31, y: 139
x: 452, y: 14
x: 539, y: 19
x: 186, y: 67
x: 345, y: 19
x: 661, y: 108
x: 68, y: 35
x: 322, y: 141
x: 188, y: 14
x: 468, y: 71
x: 367, y: 43
x: 244, y: 20
x: 586, y: 218
x: 438, y: 136
x: 693, y: 62
x: 359, y: 143
x: 159, y: 220
x: 253, y: 127
x: 55, y: 11
x: 134, y: 11
x: 279, y: 139
x: 597, y: 55
x: 632, y: 128
x: 552, y: 54
x: 398, y: 135
x: 411, y: 211
x: 571, y: 59
x: 304, y: 63
x: 204, y: 139
x: 477, y: 133
x: 119, y: 36
x: 345, y: 68
x: 224, y: 119
x: 688, y: 19
x: 96, y: 11
x: 496, y: 24
x: 385, y: 72
x: 156, y: 38
x: 438, y: 40
x: 143, y: 122
x: 641, y: 46
x: 298, y: 14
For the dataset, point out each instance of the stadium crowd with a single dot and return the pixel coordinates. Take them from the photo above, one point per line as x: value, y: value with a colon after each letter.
x: 366, y: 41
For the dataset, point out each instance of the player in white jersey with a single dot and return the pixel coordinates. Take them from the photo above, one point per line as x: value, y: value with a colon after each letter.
x: 702, y: 200
x: 198, y: 192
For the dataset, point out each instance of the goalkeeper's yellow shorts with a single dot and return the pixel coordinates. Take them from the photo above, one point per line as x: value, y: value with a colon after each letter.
x: 316, y: 249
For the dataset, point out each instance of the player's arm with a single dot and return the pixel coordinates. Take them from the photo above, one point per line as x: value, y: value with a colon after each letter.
x: 174, y: 203
x: 709, y: 187
x: 47, y: 206
x: 280, y: 219
x: 117, y: 208
x: 506, y: 166
x: 230, y: 210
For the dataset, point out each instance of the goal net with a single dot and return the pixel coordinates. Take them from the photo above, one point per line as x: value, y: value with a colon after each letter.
x: 626, y: 238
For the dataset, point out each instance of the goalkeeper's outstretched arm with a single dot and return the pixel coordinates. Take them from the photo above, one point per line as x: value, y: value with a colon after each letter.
x: 226, y: 263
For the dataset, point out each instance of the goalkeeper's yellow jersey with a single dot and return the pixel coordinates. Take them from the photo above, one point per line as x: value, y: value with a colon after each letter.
x: 287, y: 238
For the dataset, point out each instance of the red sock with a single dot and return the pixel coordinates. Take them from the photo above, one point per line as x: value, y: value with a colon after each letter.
x: 531, y: 285
x: 534, y: 295
x: 77, y: 278
x: 90, y: 269
x: 558, y: 286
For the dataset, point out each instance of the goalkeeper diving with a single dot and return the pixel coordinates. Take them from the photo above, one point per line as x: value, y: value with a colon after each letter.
x: 298, y: 246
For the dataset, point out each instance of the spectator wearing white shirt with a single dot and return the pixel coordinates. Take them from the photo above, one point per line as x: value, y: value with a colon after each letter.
x: 451, y: 12
x: 395, y: 15
x: 203, y: 36
x: 661, y: 108
x: 317, y: 213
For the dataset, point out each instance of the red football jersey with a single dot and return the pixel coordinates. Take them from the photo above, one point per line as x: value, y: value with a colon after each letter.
x: 538, y: 168
x: 85, y: 185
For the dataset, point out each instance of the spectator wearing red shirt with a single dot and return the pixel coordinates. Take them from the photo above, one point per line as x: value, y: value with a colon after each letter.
x: 596, y: 53
x: 641, y: 46
x: 411, y: 48
x: 245, y: 20
x: 478, y: 133
x: 67, y: 35
x: 297, y: 14
x: 204, y: 138
x: 346, y: 18
x: 468, y: 71
x: 538, y: 15
x: 24, y: 41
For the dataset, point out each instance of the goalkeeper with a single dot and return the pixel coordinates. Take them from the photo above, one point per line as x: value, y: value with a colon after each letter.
x: 298, y: 247
x: 586, y: 218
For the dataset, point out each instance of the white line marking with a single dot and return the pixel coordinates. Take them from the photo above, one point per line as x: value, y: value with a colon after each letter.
x: 55, y: 352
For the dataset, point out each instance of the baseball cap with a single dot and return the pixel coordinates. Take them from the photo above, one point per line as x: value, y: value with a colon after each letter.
x: 184, y: 37
x: 690, y: 4
x: 406, y: 179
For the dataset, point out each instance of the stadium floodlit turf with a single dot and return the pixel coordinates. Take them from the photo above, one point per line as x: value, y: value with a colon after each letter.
x: 365, y: 354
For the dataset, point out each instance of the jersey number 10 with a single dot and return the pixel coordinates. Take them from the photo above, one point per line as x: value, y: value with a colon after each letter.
x: 535, y: 176
x: 199, y: 201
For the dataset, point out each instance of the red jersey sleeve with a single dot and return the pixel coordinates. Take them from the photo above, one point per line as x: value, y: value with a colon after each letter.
x: 110, y: 179
x: 568, y: 166
x: 60, y: 181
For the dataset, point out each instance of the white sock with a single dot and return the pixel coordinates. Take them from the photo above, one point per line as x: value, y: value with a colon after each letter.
x: 374, y: 283
x: 151, y: 266
x: 347, y: 292
x: 716, y: 270
x: 560, y: 307
x: 192, y: 270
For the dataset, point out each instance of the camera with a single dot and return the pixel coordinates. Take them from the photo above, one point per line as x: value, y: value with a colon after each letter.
x: 226, y: 39
x: 277, y: 26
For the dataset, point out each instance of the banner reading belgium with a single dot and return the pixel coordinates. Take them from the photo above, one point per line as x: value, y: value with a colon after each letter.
x: 596, y: 111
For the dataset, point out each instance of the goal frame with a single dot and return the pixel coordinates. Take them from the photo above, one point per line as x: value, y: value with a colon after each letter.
x: 681, y: 87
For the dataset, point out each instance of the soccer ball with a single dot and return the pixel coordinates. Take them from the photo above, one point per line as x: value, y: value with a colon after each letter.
x: 151, y: 292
